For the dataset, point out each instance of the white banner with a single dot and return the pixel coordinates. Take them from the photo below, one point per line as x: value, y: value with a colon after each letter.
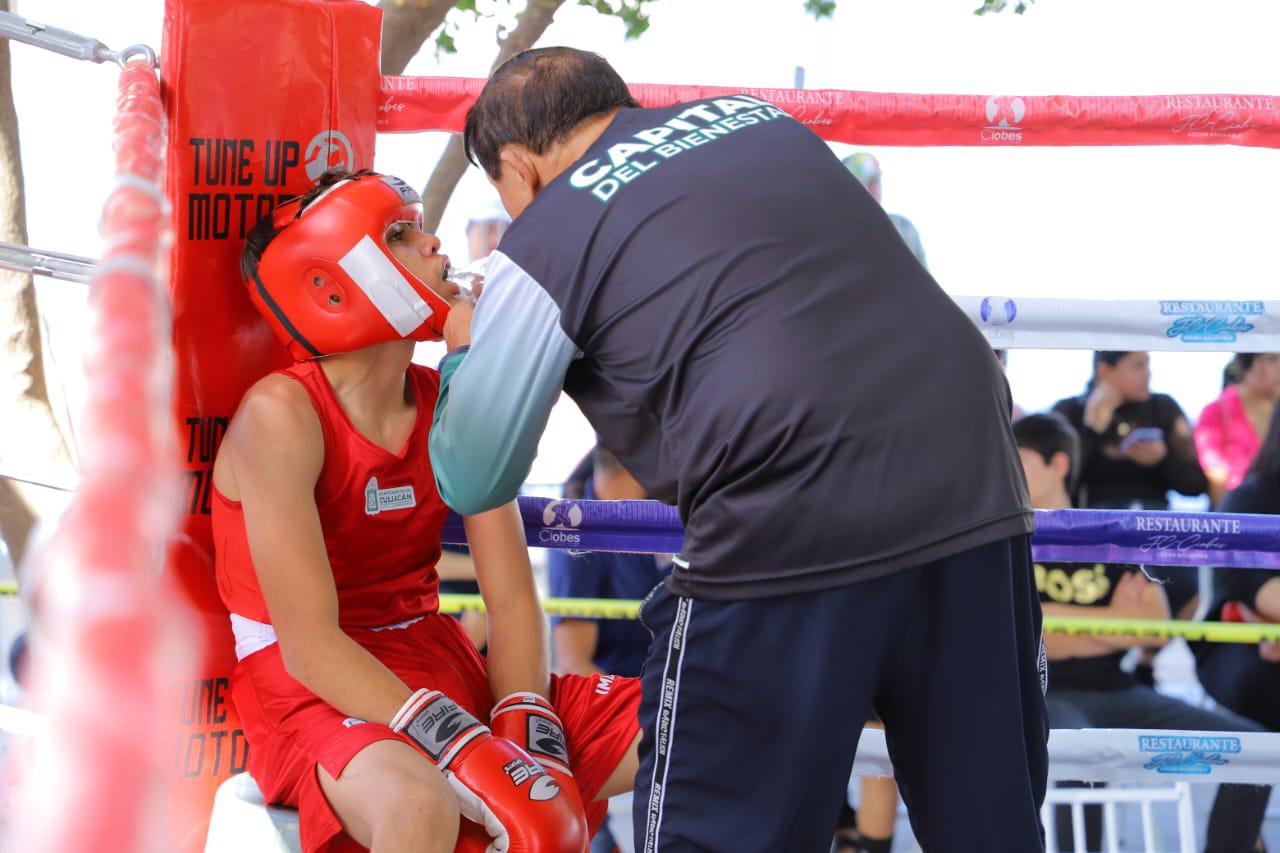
x: 1183, y: 325
x: 1131, y: 755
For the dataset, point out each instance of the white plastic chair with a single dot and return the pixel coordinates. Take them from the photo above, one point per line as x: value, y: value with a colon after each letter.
x: 243, y: 822
x: 1144, y: 797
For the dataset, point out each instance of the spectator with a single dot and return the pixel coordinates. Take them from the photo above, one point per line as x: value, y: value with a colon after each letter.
x: 1230, y: 429
x: 1245, y: 678
x: 1002, y: 356
x: 485, y: 229
x: 587, y: 646
x: 866, y: 168
x: 1135, y: 445
x: 1087, y: 687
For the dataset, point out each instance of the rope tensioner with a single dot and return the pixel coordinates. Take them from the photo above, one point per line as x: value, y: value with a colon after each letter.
x: 57, y: 265
x: 67, y: 43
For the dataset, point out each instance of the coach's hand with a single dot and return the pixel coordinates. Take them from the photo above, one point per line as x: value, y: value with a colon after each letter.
x: 457, y: 326
x: 498, y: 785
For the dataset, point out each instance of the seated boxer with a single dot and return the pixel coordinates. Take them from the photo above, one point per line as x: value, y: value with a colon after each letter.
x: 363, y: 706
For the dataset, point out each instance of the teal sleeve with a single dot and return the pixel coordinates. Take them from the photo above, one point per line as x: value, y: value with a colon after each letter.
x: 495, y: 396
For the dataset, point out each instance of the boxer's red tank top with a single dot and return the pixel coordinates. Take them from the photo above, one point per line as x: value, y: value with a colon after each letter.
x: 380, y: 513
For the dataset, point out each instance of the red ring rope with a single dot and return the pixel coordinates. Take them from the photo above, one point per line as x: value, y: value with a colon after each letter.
x: 102, y: 613
x: 412, y: 104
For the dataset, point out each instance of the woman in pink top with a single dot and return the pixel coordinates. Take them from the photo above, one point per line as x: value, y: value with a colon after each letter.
x: 1230, y: 429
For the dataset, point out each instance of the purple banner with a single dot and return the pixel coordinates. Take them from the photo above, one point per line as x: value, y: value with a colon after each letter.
x: 1068, y: 535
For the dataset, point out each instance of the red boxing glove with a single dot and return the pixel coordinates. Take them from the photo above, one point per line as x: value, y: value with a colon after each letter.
x: 529, y: 721
x: 520, y: 806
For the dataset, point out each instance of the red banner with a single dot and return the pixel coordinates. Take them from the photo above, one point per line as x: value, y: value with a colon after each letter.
x: 262, y: 96
x: 412, y: 104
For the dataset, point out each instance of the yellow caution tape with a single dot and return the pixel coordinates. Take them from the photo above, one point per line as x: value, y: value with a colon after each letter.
x: 1211, y: 632
x: 1207, y: 632
x: 573, y: 608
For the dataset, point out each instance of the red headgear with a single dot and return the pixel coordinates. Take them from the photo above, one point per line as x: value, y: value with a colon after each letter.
x: 327, y: 283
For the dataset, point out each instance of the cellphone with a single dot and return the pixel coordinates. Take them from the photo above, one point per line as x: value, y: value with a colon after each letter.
x: 1141, y: 434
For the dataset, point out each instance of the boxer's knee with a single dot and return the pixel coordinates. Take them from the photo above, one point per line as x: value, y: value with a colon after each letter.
x: 416, y: 809
x: 390, y: 797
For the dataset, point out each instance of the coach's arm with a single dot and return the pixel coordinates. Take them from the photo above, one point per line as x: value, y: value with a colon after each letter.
x: 502, y: 375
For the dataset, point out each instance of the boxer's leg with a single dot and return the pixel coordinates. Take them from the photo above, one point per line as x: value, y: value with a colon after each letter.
x: 390, y: 798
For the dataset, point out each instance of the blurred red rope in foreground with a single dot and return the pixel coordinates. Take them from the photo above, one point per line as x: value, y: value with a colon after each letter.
x: 411, y: 104
x: 104, y: 642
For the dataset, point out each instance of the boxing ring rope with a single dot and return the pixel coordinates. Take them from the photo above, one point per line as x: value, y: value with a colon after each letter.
x: 414, y: 104
x: 104, y: 623
x: 1158, y: 538
x: 1182, y: 325
x: 1178, y: 325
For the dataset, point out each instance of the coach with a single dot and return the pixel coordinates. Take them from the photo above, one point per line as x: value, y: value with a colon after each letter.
x: 746, y: 331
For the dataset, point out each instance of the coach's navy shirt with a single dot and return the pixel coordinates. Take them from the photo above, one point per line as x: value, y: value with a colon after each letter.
x: 745, y: 329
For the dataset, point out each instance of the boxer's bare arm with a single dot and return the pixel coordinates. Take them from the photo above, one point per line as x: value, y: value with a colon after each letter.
x: 519, y: 659
x: 1267, y: 601
x: 575, y: 642
x: 270, y: 461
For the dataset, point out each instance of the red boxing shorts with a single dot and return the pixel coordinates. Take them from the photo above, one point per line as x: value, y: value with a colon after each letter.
x: 291, y: 730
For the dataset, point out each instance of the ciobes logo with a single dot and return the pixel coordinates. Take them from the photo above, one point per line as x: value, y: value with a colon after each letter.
x: 328, y: 149
x: 997, y: 311
x: 1210, y: 321
x: 561, y: 520
x: 1004, y: 119
x: 1187, y: 755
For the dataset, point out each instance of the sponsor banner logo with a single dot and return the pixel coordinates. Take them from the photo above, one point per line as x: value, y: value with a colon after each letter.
x: 1210, y: 321
x: 997, y: 311
x: 1187, y: 755
x: 561, y: 520
x: 1004, y: 120
x: 1229, y: 116
x: 328, y: 149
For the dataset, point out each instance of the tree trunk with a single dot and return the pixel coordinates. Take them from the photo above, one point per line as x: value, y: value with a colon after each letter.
x: 535, y: 19
x: 31, y: 444
x: 406, y: 24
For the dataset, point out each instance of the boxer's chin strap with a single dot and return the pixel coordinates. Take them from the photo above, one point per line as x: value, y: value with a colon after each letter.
x: 281, y: 316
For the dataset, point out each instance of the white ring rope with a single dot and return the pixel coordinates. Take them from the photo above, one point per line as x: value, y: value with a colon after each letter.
x: 1183, y: 325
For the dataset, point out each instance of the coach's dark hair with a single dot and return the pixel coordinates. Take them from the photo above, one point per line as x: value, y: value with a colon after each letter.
x: 1048, y: 435
x: 536, y: 98
x: 262, y: 233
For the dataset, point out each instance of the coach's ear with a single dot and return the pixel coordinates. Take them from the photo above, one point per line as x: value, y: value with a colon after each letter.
x: 518, y: 179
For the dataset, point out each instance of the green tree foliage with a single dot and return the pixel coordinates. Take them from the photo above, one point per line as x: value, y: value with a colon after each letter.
x: 999, y: 6
x: 632, y: 13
